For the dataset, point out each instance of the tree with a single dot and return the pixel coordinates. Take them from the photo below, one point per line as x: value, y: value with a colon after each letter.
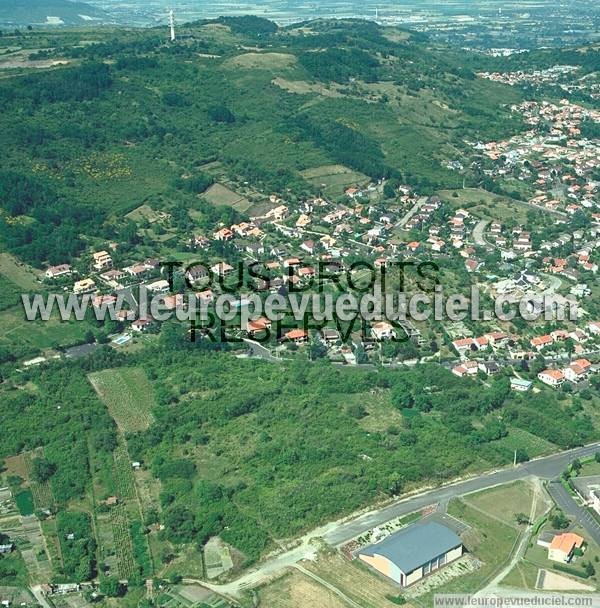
x: 316, y: 349
x: 559, y: 521
x: 111, y: 587
x: 522, y: 518
x: 42, y: 469
x: 361, y: 355
x: 221, y: 114
x: 589, y: 569
x: 356, y: 410
x: 179, y: 522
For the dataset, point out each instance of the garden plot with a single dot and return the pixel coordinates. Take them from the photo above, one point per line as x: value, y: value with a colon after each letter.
x: 218, y: 194
x: 128, y: 395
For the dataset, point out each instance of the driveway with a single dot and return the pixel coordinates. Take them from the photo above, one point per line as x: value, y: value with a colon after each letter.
x: 415, y: 208
x: 566, y: 502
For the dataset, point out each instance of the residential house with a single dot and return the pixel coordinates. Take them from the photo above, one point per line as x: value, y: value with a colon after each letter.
x: 520, y: 385
x: 222, y: 269
x: 54, y: 272
x: 308, y: 246
x: 383, y: 331
x: 552, y: 377
x: 255, y: 326
x: 278, y: 213
x: 141, y: 325
x: 113, y: 276
x: 205, y: 297
x: 84, y: 286
x: 563, y: 547
x: 330, y: 335
x: 468, y: 368
x: 196, y: 273
x: 255, y: 249
x: 540, y: 342
x: 160, y: 286
x: 224, y: 234
x: 490, y: 368
x: 102, y: 260
x: 578, y: 370
x: 296, y: 335
x: 462, y: 345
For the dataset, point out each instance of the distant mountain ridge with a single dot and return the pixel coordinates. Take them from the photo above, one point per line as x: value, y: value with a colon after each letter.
x: 20, y: 13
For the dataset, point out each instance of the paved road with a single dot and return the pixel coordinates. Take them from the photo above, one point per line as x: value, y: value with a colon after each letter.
x: 544, y: 468
x: 336, y: 533
x: 415, y: 208
x: 478, y: 231
x: 565, y: 501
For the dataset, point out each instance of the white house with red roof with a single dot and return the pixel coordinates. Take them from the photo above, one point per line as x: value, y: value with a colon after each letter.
x: 552, y: 377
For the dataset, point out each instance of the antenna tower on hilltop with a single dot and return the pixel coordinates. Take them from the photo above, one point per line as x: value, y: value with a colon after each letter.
x: 172, y: 25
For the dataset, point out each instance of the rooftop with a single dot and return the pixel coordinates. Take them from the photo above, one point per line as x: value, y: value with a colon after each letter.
x: 415, y: 545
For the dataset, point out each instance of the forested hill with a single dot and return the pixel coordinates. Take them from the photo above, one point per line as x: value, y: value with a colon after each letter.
x: 39, y: 12
x: 131, y: 113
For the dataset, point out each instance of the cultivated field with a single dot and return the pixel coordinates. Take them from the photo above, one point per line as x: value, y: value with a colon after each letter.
x: 301, y: 87
x: 355, y: 580
x: 128, y: 396
x: 16, y: 331
x: 145, y: 213
x: 298, y: 591
x: 218, y: 194
x: 334, y: 179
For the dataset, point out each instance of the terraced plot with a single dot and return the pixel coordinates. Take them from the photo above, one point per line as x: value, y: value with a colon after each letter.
x: 122, y: 540
x: 128, y: 396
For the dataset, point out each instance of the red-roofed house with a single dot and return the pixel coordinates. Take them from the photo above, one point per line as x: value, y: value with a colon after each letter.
x: 552, y: 377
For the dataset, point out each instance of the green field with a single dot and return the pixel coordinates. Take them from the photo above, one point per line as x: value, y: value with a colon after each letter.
x: 486, y: 205
x: 20, y: 274
x: 31, y: 337
x: 128, y: 396
x: 218, y: 194
x: 334, y: 179
x: 24, y: 500
x: 520, y: 439
x: 504, y: 502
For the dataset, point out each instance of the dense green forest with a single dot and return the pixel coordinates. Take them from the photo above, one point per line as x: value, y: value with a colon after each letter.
x: 77, y: 545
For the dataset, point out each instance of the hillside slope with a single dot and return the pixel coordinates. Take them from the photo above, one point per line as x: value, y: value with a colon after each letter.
x: 265, y: 104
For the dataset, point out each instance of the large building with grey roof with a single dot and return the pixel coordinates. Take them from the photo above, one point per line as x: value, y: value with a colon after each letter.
x: 413, y: 552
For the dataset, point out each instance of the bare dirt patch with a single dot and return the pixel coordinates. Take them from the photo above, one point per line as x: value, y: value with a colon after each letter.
x: 262, y: 61
x: 301, y: 87
x: 297, y: 591
x: 551, y: 581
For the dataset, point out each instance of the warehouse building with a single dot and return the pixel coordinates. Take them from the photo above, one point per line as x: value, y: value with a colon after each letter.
x: 414, y: 552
